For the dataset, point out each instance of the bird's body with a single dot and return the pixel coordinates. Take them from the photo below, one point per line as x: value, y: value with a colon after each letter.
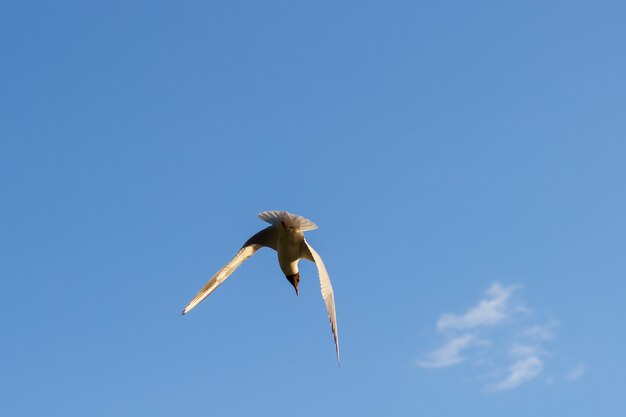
x: 286, y: 237
x: 289, y: 249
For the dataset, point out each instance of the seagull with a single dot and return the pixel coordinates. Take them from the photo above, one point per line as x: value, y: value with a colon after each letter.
x: 286, y: 237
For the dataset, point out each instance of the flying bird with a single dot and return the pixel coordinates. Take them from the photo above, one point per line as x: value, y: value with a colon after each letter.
x: 286, y: 237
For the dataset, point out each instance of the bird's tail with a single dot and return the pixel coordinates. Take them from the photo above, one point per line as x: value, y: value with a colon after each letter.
x: 275, y: 217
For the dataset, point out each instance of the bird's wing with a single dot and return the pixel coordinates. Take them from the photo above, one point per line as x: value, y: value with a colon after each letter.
x: 327, y: 289
x: 266, y: 237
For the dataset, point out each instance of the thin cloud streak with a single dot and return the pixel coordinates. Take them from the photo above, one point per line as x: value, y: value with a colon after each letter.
x: 521, y: 371
x: 490, y: 311
x: 449, y: 354
x: 576, y: 373
x: 542, y: 332
x: 521, y: 350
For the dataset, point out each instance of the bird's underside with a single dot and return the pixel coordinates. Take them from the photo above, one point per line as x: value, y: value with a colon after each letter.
x: 284, y: 236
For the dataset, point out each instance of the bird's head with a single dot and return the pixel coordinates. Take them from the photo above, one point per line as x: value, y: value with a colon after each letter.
x: 294, y: 280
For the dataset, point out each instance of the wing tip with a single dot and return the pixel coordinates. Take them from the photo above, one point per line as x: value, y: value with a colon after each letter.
x: 187, y: 309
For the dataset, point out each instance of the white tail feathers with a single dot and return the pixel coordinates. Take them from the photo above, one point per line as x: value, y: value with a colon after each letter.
x: 292, y: 220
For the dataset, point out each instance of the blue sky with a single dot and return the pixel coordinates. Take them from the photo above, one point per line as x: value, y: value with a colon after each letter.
x: 465, y: 163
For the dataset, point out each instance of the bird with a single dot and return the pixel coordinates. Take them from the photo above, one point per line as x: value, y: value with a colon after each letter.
x: 285, y: 235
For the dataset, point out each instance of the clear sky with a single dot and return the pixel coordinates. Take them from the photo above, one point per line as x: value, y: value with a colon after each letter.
x: 465, y: 163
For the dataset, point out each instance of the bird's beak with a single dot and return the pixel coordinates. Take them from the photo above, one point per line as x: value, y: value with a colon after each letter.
x: 294, y: 280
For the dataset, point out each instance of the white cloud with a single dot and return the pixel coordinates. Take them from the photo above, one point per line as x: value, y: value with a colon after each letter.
x: 500, y: 337
x: 449, y: 354
x: 521, y: 371
x: 576, y: 373
x: 523, y: 350
x: 541, y: 332
x: 490, y: 311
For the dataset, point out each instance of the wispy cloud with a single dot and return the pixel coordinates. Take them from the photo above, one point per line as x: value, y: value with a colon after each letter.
x: 491, y: 310
x: 521, y: 350
x: 576, y: 373
x: 521, y: 371
x: 449, y: 354
x: 500, y: 336
x: 543, y: 331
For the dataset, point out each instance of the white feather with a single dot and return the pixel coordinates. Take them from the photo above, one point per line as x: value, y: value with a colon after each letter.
x: 327, y: 290
x: 243, y: 254
x: 292, y: 220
